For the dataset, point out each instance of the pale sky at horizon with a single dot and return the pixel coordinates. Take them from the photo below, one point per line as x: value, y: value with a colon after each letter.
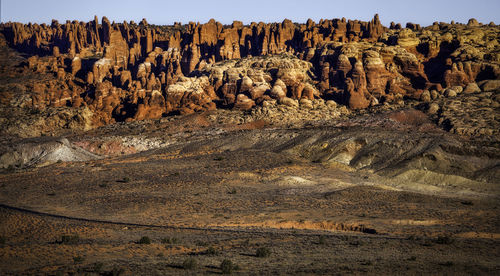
x: 158, y: 12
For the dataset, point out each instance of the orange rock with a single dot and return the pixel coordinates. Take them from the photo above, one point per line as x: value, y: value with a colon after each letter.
x: 243, y: 102
x: 125, y: 63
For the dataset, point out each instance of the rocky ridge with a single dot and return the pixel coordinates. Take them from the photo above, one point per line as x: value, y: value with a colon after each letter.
x: 114, y: 72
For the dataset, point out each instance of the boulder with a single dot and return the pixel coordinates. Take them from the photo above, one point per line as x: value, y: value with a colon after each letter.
x: 331, y: 104
x: 306, y: 103
x: 472, y: 88
x: 289, y: 102
x: 243, y: 102
x: 433, y: 108
x: 246, y: 84
x: 450, y: 93
x: 425, y: 96
x: 490, y: 85
x: 259, y: 90
x: 434, y: 94
x: 473, y: 23
x: 277, y: 92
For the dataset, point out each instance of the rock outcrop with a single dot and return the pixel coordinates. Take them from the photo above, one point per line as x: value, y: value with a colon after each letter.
x: 134, y: 71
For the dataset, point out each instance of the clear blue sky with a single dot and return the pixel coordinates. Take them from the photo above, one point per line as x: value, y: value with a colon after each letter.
x: 166, y: 12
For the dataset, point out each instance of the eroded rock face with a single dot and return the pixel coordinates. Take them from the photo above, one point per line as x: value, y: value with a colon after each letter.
x: 189, y: 95
x: 242, y: 83
x: 45, y: 153
x: 134, y: 72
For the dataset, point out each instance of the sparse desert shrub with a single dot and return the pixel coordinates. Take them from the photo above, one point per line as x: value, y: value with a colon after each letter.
x: 444, y: 240
x: 322, y: 240
x: 246, y: 243
x: 227, y: 266
x: 426, y: 242
x: 263, y: 252
x: 78, y: 259
x: 232, y: 191
x: 117, y: 271
x: 189, y: 263
x: 69, y: 239
x: 169, y: 240
x: 114, y: 272
x: 413, y: 238
x: 201, y: 243
x: 368, y: 262
x: 211, y: 251
x: 144, y: 240
x: 356, y: 243
x: 97, y: 267
x: 369, y: 230
x: 34, y: 111
x: 125, y: 179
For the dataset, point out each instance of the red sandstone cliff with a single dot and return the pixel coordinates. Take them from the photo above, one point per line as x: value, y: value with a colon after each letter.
x: 134, y: 71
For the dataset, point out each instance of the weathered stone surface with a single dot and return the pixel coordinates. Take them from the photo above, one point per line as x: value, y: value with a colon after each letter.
x: 472, y: 88
x: 133, y: 72
x: 190, y: 94
x: 152, y: 108
x: 243, y: 102
x: 450, y: 92
x: 76, y: 65
x: 289, y: 102
x: 490, y: 85
x: 425, y: 96
x: 433, y: 108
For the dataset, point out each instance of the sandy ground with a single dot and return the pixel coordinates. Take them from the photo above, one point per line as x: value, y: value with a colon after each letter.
x: 105, y: 247
x: 242, y: 188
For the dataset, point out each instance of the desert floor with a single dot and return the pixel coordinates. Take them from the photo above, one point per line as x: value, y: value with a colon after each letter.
x: 223, y: 193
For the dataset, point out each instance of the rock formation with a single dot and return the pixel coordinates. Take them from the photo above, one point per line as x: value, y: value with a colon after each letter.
x: 134, y: 71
